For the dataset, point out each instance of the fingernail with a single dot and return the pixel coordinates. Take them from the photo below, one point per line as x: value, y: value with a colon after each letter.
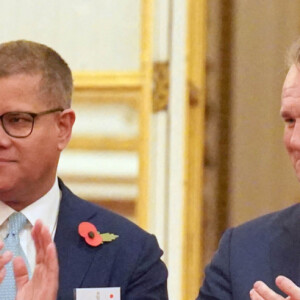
x: 257, y: 284
x: 280, y: 277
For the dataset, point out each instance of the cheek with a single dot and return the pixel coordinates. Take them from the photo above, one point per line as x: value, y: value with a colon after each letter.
x: 287, y: 139
x: 39, y: 148
x: 39, y: 160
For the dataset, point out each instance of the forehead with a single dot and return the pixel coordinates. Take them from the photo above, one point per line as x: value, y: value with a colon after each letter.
x: 19, y: 83
x: 292, y: 79
x: 291, y: 90
x: 21, y: 90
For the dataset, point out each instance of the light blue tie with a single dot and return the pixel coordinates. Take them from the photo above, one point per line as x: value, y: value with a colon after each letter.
x: 12, y: 243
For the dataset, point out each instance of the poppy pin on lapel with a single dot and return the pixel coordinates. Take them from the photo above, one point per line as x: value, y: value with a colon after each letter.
x: 92, y: 236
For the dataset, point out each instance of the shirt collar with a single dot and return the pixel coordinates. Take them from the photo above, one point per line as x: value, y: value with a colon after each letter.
x: 5, y: 212
x: 46, y: 209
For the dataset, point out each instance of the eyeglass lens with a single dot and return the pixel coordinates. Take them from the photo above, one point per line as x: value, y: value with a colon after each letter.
x: 17, y: 124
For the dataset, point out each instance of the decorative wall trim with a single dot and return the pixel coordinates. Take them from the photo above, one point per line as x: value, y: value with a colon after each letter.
x: 145, y: 107
x: 103, y: 143
x: 160, y: 86
x: 97, y: 179
x: 107, y: 80
x: 194, y: 152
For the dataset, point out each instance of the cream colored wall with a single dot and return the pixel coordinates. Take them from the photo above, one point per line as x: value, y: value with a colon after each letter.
x: 262, y: 179
x: 90, y: 35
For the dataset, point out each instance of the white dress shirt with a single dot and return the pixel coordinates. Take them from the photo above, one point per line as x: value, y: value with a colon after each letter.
x: 46, y: 209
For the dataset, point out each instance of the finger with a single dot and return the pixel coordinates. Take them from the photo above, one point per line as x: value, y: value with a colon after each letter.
x: 36, y: 236
x: 5, y: 258
x: 20, y: 271
x: 52, y: 266
x: 51, y: 258
x: 36, y: 231
x: 2, y: 274
x: 288, y: 287
x: 45, y: 238
x: 255, y: 296
x: 265, y: 292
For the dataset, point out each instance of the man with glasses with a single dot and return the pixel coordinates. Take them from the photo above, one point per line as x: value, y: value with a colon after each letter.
x: 36, y: 125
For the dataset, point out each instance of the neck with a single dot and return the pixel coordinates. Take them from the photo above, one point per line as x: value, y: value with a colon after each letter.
x: 21, y: 199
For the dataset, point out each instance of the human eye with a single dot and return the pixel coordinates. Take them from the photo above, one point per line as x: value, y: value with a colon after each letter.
x: 289, y: 121
x: 18, y: 118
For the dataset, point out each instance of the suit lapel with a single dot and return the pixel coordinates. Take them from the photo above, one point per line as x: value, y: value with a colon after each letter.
x: 75, y: 256
x: 285, y: 248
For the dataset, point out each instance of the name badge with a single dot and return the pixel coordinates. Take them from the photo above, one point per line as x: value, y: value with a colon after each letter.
x: 111, y: 293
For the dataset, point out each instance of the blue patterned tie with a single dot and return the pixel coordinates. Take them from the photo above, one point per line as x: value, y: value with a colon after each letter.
x: 12, y: 243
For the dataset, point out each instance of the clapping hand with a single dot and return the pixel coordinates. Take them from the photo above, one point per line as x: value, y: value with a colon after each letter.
x: 44, y: 282
x: 261, y: 291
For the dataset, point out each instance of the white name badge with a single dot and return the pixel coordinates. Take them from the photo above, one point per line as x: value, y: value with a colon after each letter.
x: 111, y: 293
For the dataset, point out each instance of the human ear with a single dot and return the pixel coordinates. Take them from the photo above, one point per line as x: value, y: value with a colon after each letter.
x: 65, y: 125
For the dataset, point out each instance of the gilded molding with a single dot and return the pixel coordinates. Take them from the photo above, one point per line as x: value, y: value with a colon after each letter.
x: 194, y: 94
x: 103, y: 143
x: 192, y: 259
x: 100, y: 179
x: 107, y: 80
x: 160, y: 86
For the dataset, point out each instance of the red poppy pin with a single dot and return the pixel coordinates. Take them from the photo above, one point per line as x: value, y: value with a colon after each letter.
x: 93, y: 237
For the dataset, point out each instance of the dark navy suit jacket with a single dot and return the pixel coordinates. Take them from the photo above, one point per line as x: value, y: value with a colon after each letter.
x: 131, y: 262
x: 261, y: 249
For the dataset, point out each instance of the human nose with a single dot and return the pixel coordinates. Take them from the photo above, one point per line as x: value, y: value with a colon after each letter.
x: 295, y: 137
x: 4, y: 137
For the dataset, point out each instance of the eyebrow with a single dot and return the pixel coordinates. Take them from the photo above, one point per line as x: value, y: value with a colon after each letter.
x: 285, y: 114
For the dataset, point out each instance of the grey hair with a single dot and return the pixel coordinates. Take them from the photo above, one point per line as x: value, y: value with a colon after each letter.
x: 27, y: 57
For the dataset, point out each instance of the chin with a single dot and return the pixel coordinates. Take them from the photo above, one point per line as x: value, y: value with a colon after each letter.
x: 18, y: 206
x: 6, y: 186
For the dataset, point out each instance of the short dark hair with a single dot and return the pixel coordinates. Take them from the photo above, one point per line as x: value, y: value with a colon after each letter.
x: 27, y: 57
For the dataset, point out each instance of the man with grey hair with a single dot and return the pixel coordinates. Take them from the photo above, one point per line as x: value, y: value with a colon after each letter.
x: 36, y: 125
x: 260, y: 259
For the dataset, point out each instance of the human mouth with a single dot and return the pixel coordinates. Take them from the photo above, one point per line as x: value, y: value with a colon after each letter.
x: 6, y: 160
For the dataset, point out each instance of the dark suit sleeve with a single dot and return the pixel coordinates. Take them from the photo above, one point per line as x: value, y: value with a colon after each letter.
x: 149, y: 279
x: 217, y: 283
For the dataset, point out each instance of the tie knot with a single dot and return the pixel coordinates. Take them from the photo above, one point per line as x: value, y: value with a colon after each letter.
x: 16, y: 222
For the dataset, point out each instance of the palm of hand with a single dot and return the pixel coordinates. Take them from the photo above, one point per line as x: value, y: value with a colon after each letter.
x: 38, y: 287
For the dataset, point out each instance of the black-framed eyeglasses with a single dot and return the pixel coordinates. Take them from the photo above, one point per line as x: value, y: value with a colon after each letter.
x: 19, y: 124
